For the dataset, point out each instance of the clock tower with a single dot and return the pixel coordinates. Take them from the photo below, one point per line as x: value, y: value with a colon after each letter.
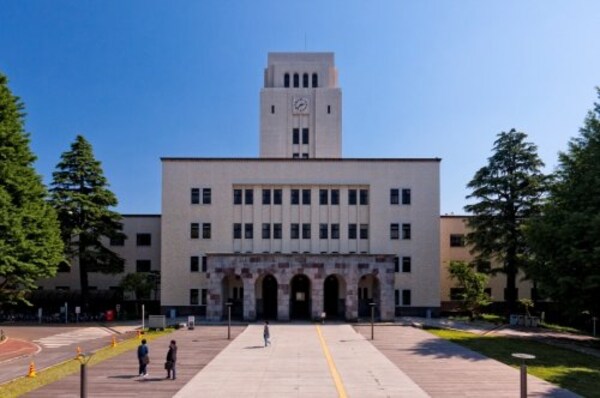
x: 300, y: 107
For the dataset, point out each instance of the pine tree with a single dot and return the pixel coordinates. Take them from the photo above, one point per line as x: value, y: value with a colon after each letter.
x: 566, y: 237
x: 508, y: 192
x: 30, y: 244
x: 83, y: 202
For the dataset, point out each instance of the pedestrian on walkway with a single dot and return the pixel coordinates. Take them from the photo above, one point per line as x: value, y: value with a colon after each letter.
x: 267, y: 334
x: 171, y: 359
x: 143, y: 358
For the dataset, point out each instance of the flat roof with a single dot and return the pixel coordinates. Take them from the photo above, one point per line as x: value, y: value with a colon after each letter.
x: 140, y: 215
x: 332, y: 160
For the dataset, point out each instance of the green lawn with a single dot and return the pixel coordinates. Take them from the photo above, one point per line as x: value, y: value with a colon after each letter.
x: 23, y: 385
x: 572, y: 370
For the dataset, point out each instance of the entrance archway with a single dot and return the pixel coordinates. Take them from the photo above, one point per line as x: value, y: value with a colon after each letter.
x: 268, y: 289
x: 334, y: 293
x: 232, y: 291
x: 368, y: 292
x: 300, y: 302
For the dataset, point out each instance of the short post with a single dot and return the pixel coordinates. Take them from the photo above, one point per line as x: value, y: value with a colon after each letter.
x: 229, y: 303
x: 66, y: 312
x: 372, y: 320
x: 143, y: 318
x: 523, y: 358
x: 594, y: 319
x: 83, y: 361
x: 40, y: 312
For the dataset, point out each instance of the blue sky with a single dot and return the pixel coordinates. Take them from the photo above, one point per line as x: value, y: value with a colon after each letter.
x: 145, y: 79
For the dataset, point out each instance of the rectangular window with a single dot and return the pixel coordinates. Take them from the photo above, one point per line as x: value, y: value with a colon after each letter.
x: 406, y: 196
x: 277, y: 196
x: 295, y: 136
x: 295, y: 197
x: 194, y: 264
x: 117, y: 240
x: 248, y: 231
x: 277, y: 231
x: 394, y: 196
x: 195, y: 196
x: 305, y: 231
x: 266, y: 231
x: 364, y: 231
x: 396, y: 265
x: 328, y: 109
x: 397, y: 297
x: 406, y: 231
x: 457, y: 240
x: 406, y: 264
x: 323, y: 196
x: 305, y: 136
x: 206, y: 228
x: 352, y: 196
x: 204, y: 264
x: 266, y: 196
x: 295, y: 231
x: 204, y: 296
x: 394, y: 231
x: 193, y: 296
x: 206, y: 196
x: 306, y: 196
x: 364, y: 196
x: 272, y: 108
x: 305, y: 156
x: 194, y: 230
x: 335, y: 196
x: 296, y: 155
x: 323, y: 231
x: 144, y: 239
x: 335, y: 231
x: 237, y: 196
x: 142, y: 266
x: 352, y: 231
x: 249, y: 196
x: 406, y: 299
x: 237, y: 231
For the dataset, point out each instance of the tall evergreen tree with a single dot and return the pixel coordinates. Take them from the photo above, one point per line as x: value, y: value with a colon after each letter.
x: 82, y: 200
x: 508, y: 192
x: 566, y: 237
x: 30, y: 244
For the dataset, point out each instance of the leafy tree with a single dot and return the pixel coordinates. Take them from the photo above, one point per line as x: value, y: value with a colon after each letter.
x: 566, y: 237
x: 473, y: 285
x: 30, y: 244
x: 508, y: 192
x: 82, y: 200
x: 139, y: 283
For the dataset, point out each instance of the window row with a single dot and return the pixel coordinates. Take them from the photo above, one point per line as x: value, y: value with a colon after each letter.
x: 296, y: 80
x: 296, y: 136
x: 300, y: 231
x: 206, y: 196
x: 405, y: 264
x: 402, y: 297
x: 142, y: 239
x: 195, y: 230
x: 395, y: 196
x: 301, y: 196
x: 395, y: 231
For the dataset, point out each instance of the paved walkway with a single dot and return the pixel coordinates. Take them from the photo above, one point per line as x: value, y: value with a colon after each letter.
x: 306, y: 360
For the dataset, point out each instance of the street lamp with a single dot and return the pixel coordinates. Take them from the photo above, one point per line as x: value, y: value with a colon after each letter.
x: 229, y: 304
x: 523, y: 358
x: 84, y: 358
x: 372, y: 304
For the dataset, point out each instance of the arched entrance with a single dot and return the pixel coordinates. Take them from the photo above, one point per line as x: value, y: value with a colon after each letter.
x: 300, y: 302
x: 334, y: 293
x: 368, y: 292
x: 266, y: 297
x: 232, y: 291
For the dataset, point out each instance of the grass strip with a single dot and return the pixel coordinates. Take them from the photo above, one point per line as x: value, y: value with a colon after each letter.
x: 61, y: 370
x: 572, y: 370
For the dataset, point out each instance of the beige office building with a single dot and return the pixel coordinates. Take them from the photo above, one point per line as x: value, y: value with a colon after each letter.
x: 300, y: 231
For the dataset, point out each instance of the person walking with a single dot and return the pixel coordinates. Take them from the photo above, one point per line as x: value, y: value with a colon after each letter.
x: 266, y: 334
x: 143, y: 358
x: 171, y: 359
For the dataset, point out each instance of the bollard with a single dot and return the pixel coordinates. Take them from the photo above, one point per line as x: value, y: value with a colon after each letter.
x: 78, y: 352
x: 372, y: 320
x: 229, y: 321
x: 31, y: 370
x: 114, y: 342
x: 523, y: 375
x: 139, y: 335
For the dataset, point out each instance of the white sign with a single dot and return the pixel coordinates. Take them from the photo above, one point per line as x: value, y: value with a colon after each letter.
x: 78, y: 310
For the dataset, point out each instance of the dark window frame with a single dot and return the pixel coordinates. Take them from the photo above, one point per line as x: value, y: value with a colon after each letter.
x: 195, y: 196
x: 143, y: 239
x: 194, y: 230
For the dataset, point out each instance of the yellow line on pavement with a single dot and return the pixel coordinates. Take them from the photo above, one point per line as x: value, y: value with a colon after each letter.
x: 334, y: 373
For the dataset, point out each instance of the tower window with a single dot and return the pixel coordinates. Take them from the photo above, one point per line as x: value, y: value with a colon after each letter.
x: 296, y: 80
x: 296, y: 155
x: 286, y: 80
x: 305, y: 136
x: 328, y: 109
x: 272, y: 108
x: 295, y: 136
x: 315, y: 80
x: 305, y: 80
x: 305, y: 156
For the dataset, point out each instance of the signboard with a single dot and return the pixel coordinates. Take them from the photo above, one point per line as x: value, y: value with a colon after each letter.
x: 118, y: 307
x: 78, y: 310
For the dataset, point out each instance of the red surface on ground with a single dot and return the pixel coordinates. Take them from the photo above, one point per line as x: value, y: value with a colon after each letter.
x: 14, y: 348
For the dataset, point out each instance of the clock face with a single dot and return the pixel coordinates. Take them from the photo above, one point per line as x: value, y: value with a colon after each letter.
x: 300, y: 105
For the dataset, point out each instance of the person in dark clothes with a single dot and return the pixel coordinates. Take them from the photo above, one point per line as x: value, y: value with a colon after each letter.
x: 267, y: 334
x: 171, y: 359
x: 143, y: 359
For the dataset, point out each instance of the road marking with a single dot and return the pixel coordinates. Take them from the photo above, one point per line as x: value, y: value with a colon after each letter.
x: 334, y: 373
x: 75, y: 336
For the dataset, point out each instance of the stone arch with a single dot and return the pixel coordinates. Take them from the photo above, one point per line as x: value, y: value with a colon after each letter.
x: 369, y: 291
x: 232, y: 291
x: 266, y: 291
x: 334, y: 296
x: 300, y: 297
